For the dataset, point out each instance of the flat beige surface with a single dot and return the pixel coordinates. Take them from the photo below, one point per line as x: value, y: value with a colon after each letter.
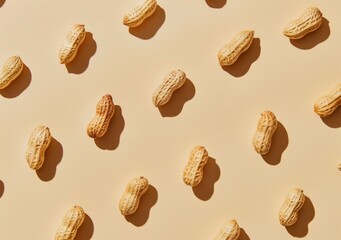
x: 216, y: 108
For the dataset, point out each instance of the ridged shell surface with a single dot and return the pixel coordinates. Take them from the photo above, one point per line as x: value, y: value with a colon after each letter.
x: 37, y: 145
x: 10, y: 71
x: 229, y: 54
x: 229, y: 231
x: 72, y: 42
x: 294, y: 201
x: 130, y: 199
x: 310, y: 20
x: 171, y: 82
x: 105, y: 110
x: 193, y: 172
x: 138, y: 14
x: 266, y: 127
x: 72, y: 220
x: 326, y: 105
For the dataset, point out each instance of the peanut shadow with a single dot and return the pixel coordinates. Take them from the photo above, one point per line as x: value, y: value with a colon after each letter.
x: 111, y: 139
x: 86, y: 50
x: 245, y: 60
x: 2, y: 188
x: 178, y: 100
x: 150, y: 26
x: 205, y: 189
x: 305, y: 215
x: 333, y: 120
x: 18, y: 85
x: 243, y: 235
x: 216, y: 3
x: 279, y: 143
x: 314, y: 38
x: 86, y: 230
x: 148, y: 200
x: 53, y: 156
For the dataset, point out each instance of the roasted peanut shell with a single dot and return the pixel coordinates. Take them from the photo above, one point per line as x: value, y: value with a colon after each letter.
x: 105, y: 110
x: 72, y: 42
x: 288, y: 214
x: 310, y: 20
x: 138, y: 14
x: 10, y: 71
x: 130, y: 199
x: 266, y: 127
x: 172, y: 81
x: 326, y: 105
x: 229, y: 54
x: 72, y: 220
x: 194, y: 170
x: 37, y: 145
x: 229, y: 231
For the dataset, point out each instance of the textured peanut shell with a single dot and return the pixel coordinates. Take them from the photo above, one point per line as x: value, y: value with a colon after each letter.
x: 326, y: 105
x: 137, y: 15
x: 194, y: 170
x: 10, y: 71
x: 37, y: 145
x: 172, y: 81
x: 266, y: 127
x: 288, y: 214
x: 229, y: 231
x: 310, y: 20
x: 130, y: 199
x: 72, y: 220
x: 105, y: 110
x: 72, y: 42
x: 229, y: 54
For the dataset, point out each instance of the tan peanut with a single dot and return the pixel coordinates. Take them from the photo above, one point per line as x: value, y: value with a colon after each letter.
x: 105, y: 110
x: 37, y: 144
x: 138, y: 14
x: 130, y: 199
x: 172, y: 81
x: 326, y: 105
x: 288, y: 214
x: 10, y: 71
x: 229, y: 54
x: 229, y: 231
x: 310, y: 20
x: 194, y: 170
x: 73, y: 40
x: 72, y: 220
x: 266, y: 127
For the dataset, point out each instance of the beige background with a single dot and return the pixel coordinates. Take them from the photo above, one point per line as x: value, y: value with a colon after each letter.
x: 218, y: 108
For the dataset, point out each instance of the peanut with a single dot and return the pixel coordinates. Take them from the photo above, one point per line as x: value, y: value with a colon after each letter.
x: 72, y: 220
x: 137, y: 15
x: 288, y: 214
x: 229, y: 54
x: 131, y: 197
x: 72, y: 42
x: 326, y: 105
x: 37, y: 145
x: 193, y: 172
x: 229, y: 231
x: 309, y: 21
x: 105, y: 110
x: 266, y: 127
x: 172, y: 81
x: 10, y: 71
